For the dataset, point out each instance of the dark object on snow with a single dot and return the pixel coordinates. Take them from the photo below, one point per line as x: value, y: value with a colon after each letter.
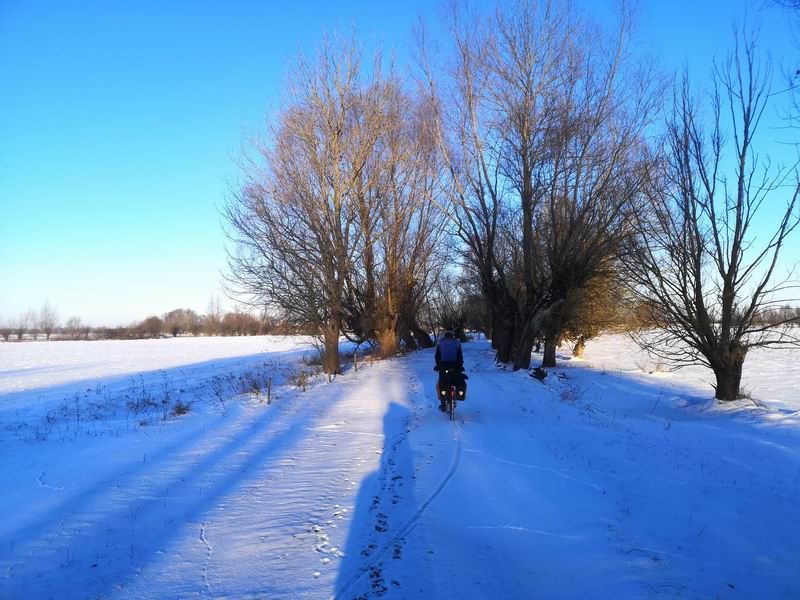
x: 539, y: 373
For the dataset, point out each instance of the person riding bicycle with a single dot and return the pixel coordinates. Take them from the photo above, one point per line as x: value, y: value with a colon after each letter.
x: 450, y: 364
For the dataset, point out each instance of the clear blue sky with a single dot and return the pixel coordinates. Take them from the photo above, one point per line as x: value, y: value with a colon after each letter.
x: 119, y: 122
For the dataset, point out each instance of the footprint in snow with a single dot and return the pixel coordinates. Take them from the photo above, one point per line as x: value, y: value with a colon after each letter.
x: 378, y: 583
x: 382, y: 524
x: 368, y: 550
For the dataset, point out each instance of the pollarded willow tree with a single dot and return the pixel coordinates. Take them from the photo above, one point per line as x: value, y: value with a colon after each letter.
x: 333, y: 222
x: 492, y: 101
x: 593, y: 174
x: 542, y: 123
x: 293, y: 220
x: 702, y: 264
x: 401, y: 225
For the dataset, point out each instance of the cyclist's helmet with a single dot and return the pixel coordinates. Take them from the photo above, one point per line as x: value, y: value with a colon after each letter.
x: 449, y: 334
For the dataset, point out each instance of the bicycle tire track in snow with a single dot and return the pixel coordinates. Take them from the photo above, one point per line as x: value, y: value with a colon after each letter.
x: 374, y: 558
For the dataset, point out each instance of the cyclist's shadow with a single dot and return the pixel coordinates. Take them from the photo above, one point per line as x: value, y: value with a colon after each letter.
x: 374, y: 563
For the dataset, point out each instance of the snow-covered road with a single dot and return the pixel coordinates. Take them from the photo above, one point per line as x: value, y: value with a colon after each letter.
x: 592, y: 484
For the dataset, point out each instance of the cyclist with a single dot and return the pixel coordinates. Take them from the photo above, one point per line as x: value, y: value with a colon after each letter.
x: 450, y: 364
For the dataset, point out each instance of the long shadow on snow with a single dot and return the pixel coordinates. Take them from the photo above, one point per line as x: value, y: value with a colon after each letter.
x: 12, y: 402
x: 384, y: 513
x: 77, y: 499
x: 134, y: 522
x: 36, y: 527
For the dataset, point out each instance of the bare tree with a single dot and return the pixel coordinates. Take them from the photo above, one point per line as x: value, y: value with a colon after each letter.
x: 150, y: 327
x: 239, y: 322
x: 33, y: 327
x: 295, y: 220
x: 791, y: 113
x: 21, y: 323
x: 698, y: 265
x: 48, y: 319
x: 450, y: 311
x: 401, y: 226
x: 492, y: 125
x: 232, y: 324
x: 74, y: 328
x: 592, y: 309
x: 213, y: 317
x: 181, y: 320
x: 595, y: 173
x: 6, y: 331
x: 542, y: 127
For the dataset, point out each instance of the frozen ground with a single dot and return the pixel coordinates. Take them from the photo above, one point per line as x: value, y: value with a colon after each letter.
x: 610, y: 479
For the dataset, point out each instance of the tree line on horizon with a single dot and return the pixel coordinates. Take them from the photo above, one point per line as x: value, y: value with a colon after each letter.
x: 31, y: 325
x: 535, y: 177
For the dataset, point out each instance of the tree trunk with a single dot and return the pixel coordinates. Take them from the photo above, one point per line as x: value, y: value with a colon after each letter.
x: 497, y: 329
x: 522, y: 350
x: 504, y: 341
x: 549, y: 358
x: 729, y: 374
x: 423, y: 337
x: 331, y: 358
x: 387, y: 341
x: 580, y: 346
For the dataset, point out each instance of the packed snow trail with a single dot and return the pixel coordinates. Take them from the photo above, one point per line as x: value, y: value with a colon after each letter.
x: 568, y: 489
x: 592, y: 484
x: 248, y: 506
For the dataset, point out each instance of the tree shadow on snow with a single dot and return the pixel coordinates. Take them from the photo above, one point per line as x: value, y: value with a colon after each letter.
x: 83, y: 549
x: 17, y: 403
x: 126, y: 474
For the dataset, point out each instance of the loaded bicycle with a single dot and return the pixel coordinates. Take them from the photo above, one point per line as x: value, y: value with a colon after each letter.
x: 450, y: 389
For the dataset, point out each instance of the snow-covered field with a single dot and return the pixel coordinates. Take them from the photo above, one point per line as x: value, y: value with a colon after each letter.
x: 33, y: 366
x: 102, y: 387
x: 612, y: 478
x: 49, y: 369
